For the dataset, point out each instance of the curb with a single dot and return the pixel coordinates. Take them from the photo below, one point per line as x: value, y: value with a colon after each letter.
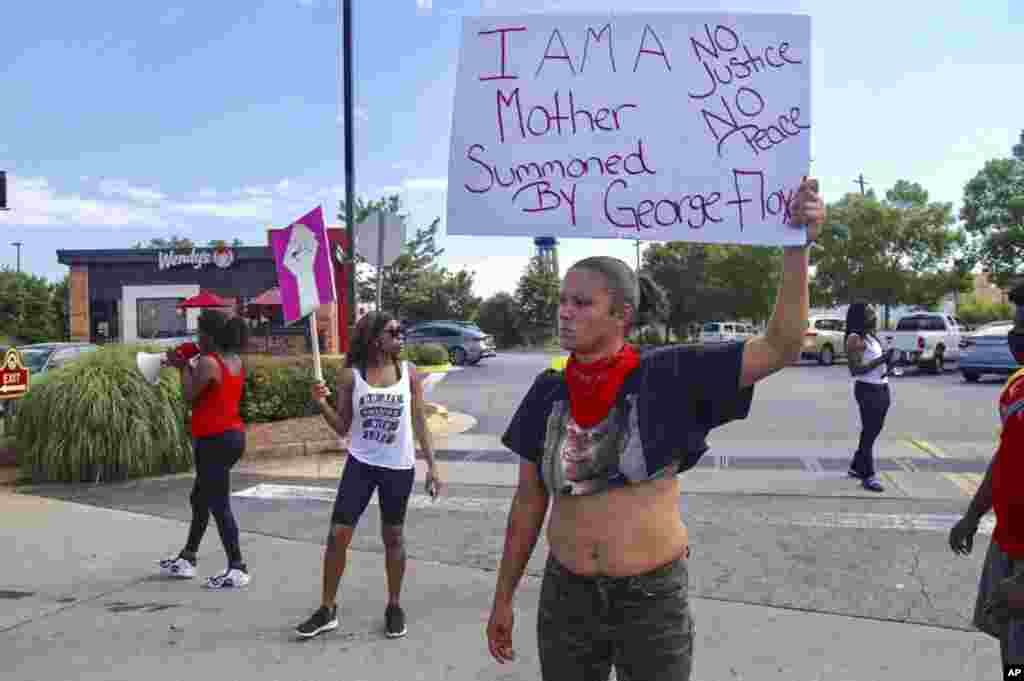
x: 458, y: 421
x: 435, y: 369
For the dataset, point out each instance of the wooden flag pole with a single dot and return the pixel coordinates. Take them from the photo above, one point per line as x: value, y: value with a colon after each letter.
x: 318, y: 371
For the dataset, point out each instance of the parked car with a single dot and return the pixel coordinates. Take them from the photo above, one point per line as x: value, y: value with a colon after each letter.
x: 465, y: 344
x: 987, y: 352
x: 724, y: 332
x: 824, y: 339
x: 42, y: 357
x: 925, y: 340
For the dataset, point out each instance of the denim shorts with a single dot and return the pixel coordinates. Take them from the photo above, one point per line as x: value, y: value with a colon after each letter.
x: 1009, y: 630
x: 358, y: 482
x: 641, y: 625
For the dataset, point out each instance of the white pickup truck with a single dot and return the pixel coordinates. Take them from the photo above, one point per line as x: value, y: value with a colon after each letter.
x: 925, y: 340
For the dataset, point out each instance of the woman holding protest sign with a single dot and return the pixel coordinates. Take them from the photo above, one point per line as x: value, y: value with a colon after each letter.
x: 380, y: 398
x: 602, y: 444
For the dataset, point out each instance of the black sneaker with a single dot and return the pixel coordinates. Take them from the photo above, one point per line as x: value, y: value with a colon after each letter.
x: 321, y: 621
x: 394, y: 618
x: 872, y: 484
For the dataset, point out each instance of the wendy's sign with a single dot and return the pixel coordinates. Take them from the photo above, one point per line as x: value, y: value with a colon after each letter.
x: 668, y: 126
x: 197, y: 258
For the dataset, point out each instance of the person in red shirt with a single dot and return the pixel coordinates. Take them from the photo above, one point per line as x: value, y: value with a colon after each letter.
x: 999, y: 610
x: 211, y: 384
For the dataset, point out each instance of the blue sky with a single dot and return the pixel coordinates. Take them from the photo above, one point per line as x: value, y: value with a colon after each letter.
x: 125, y: 121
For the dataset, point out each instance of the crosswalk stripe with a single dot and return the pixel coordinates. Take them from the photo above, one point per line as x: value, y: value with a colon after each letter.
x: 926, y: 522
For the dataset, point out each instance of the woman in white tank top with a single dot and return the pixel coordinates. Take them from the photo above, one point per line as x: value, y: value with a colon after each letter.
x: 381, y: 406
x: 868, y: 363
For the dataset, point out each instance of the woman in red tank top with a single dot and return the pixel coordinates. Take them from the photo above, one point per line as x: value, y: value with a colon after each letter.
x: 212, y: 385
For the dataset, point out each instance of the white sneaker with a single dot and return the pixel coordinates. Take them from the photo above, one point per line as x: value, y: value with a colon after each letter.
x: 230, y: 579
x: 177, y: 567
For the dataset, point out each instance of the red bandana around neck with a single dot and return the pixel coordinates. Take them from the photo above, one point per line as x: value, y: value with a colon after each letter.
x: 594, y: 387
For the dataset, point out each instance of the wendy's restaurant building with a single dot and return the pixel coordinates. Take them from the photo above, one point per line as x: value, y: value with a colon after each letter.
x: 132, y: 295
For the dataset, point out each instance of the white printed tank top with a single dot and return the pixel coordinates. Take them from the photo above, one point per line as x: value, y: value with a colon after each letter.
x: 381, y: 431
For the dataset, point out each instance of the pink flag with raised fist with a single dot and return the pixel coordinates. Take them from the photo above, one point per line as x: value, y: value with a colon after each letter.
x: 304, y: 272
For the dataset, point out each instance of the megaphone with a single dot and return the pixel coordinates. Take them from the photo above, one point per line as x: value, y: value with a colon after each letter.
x: 149, y: 364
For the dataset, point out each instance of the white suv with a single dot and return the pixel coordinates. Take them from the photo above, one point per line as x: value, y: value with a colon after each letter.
x: 725, y: 332
x: 824, y: 339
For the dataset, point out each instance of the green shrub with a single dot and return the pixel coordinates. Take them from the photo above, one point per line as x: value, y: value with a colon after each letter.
x: 98, y: 420
x: 426, y: 354
x: 648, y: 336
x: 278, y: 388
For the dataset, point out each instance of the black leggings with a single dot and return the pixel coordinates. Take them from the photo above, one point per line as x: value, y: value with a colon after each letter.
x: 873, y: 400
x: 214, y: 457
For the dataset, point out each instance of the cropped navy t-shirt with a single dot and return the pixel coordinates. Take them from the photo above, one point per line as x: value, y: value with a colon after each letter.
x: 657, y: 427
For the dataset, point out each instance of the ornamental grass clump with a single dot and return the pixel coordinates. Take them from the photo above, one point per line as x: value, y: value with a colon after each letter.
x: 98, y: 420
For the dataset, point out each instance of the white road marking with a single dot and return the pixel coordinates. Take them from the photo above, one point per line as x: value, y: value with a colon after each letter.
x: 914, y: 522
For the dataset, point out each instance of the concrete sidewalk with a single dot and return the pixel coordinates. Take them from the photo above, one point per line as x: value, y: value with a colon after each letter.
x: 81, y: 601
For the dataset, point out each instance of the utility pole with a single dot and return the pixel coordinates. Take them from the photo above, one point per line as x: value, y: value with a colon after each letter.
x: 17, y: 245
x: 862, y: 182
x: 3, y: 190
x: 345, y: 19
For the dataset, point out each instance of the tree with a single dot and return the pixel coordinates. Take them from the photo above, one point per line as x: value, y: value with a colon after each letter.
x: 747, y: 277
x: 973, y: 311
x: 499, y: 316
x: 888, y: 251
x: 680, y: 269
x: 174, y: 242
x: 458, y: 289
x: 27, y: 310
x: 221, y: 243
x: 993, y: 216
x: 59, y: 298
x: 537, y: 297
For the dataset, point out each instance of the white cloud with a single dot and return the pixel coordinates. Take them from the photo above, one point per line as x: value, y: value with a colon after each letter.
x: 126, y: 190
x: 257, y: 208
x: 424, y: 5
x: 427, y: 184
x: 35, y: 203
x: 255, y: 191
x: 207, y: 193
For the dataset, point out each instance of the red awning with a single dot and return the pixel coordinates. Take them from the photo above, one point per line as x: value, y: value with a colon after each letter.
x: 269, y: 298
x: 204, y: 299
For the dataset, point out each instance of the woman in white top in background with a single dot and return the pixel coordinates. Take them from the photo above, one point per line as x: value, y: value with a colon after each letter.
x: 868, y: 365
x: 381, y: 399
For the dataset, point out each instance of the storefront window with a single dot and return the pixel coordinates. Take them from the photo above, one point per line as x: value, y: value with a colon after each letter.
x: 159, y: 318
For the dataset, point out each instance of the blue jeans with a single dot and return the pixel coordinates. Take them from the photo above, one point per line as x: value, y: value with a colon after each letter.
x: 873, y: 400
x: 642, y: 625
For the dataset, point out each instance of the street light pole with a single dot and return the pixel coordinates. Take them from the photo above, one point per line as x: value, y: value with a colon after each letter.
x: 350, y: 180
x: 17, y: 245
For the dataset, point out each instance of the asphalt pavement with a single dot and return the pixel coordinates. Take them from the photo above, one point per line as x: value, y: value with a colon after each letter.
x: 796, y: 573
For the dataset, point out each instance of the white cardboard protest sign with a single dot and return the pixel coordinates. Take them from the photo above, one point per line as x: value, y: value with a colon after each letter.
x: 667, y: 126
